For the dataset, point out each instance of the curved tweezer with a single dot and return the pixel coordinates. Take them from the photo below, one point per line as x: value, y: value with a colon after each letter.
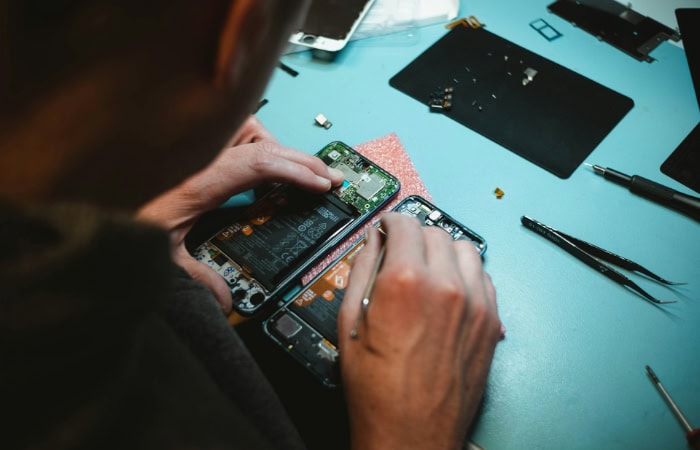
x: 618, y: 260
x: 590, y: 255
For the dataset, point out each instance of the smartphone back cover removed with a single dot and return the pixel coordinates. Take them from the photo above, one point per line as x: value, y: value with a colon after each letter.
x: 544, y: 112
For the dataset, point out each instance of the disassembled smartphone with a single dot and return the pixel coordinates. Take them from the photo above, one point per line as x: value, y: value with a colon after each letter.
x: 264, y: 252
x: 306, y: 326
x: 329, y: 24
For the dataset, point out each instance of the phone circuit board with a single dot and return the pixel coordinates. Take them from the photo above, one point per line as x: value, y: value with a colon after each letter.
x: 365, y: 186
x: 429, y: 215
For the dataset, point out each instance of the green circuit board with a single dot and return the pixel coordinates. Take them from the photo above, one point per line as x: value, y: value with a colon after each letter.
x: 366, y: 185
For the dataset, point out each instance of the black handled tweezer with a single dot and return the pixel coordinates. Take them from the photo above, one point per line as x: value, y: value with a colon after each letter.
x: 591, y: 255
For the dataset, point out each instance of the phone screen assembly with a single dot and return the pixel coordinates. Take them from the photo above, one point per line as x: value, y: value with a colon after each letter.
x: 306, y: 327
x: 264, y: 252
x: 329, y: 24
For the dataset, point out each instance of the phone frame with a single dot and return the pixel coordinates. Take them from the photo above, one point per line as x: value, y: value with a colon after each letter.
x: 255, y: 296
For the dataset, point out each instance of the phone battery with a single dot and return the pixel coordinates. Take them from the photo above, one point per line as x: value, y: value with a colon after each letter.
x: 270, y: 249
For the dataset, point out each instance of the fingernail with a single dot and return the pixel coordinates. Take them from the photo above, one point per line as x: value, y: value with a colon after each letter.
x: 324, y: 182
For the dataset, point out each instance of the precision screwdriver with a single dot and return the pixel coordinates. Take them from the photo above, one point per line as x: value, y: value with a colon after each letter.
x: 652, y: 190
x: 693, y: 435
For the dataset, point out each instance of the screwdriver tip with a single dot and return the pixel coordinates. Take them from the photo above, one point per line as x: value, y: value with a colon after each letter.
x: 652, y: 374
x: 596, y: 168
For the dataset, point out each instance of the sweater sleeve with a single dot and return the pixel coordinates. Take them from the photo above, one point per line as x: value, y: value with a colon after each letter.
x: 100, y: 349
x: 196, y: 318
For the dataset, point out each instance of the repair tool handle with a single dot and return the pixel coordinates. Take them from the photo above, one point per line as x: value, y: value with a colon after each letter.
x: 694, y: 439
x: 652, y: 190
x: 663, y: 194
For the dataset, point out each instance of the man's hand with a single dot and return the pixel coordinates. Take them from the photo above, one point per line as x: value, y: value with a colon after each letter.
x: 255, y: 159
x: 416, y: 374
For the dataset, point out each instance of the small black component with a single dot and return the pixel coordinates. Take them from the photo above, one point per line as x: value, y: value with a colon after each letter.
x: 220, y: 259
x: 441, y: 100
x: 288, y: 69
x: 262, y: 103
x: 238, y: 295
x: 257, y: 298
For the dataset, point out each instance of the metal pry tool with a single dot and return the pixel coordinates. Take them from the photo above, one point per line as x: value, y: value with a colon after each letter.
x: 693, y: 435
x: 594, y: 256
x: 365, y: 296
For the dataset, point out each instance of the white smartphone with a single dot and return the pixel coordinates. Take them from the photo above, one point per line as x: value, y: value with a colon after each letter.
x: 329, y: 24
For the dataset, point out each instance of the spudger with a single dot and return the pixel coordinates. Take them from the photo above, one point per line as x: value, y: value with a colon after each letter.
x: 652, y: 190
x: 693, y: 435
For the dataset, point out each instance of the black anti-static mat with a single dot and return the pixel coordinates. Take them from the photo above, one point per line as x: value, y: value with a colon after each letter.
x: 555, y: 121
x: 684, y: 163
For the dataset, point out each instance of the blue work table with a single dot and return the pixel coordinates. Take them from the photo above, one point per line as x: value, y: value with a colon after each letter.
x: 570, y: 373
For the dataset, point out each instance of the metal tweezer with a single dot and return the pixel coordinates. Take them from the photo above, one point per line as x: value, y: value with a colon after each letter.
x: 594, y: 256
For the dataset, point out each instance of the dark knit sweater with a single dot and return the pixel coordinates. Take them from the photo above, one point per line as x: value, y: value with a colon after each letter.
x: 105, y: 343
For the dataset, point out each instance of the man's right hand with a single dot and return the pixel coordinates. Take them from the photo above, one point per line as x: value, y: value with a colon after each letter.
x: 416, y: 374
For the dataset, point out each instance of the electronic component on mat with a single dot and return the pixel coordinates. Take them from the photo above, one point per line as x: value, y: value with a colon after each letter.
x: 305, y: 326
x: 441, y: 100
x: 264, y: 252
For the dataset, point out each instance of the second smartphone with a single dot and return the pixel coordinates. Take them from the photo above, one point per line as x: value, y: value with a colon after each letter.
x: 306, y: 327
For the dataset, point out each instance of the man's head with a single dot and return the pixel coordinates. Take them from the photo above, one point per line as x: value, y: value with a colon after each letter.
x: 113, y: 101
